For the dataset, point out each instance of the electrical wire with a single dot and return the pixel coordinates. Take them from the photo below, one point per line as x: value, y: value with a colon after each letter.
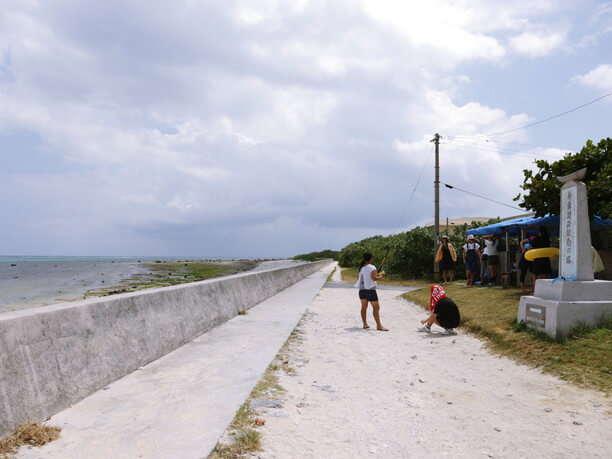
x: 486, y: 147
x: 415, y: 186
x: 500, y: 149
x: 477, y: 195
x: 500, y: 152
x: 489, y: 148
x: 547, y: 119
x: 573, y: 150
x: 491, y: 145
x: 552, y: 117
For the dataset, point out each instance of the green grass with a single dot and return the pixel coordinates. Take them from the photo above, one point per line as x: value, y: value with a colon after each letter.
x: 583, y: 358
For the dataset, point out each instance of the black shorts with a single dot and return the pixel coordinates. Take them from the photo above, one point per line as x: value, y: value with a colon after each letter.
x: 447, y: 264
x: 541, y: 266
x: 368, y: 294
x: 492, y: 260
x: 447, y: 313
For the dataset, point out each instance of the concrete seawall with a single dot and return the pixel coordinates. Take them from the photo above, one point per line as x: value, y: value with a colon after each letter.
x: 54, y: 356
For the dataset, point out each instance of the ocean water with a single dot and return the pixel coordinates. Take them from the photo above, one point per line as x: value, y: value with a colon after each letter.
x: 39, y: 281
x: 27, y: 282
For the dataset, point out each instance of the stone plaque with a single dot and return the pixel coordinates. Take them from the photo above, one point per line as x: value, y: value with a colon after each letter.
x: 535, y: 315
x: 576, y: 260
x: 568, y: 230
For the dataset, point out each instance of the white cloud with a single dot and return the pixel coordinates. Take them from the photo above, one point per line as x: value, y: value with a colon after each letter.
x: 217, y: 122
x: 598, y: 78
x: 537, y: 44
x: 446, y: 27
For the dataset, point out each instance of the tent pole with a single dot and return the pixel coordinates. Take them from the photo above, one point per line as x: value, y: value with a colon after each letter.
x: 507, y: 253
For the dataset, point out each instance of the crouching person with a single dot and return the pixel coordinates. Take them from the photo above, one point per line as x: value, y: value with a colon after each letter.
x: 444, y: 312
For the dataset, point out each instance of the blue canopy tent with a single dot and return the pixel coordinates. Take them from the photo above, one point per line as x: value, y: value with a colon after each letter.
x: 531, y: 225
x: 524, y: 226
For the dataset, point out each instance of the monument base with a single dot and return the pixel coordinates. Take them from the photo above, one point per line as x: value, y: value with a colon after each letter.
x: 560, y: 290
x: 557, y: 318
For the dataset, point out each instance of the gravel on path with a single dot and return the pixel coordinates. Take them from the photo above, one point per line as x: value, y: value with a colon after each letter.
x: 363, y: 393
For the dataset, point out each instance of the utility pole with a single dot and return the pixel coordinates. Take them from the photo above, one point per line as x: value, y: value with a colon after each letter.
x: 436, y: 141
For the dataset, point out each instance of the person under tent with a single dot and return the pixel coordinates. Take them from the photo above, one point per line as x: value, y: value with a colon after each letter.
x: 471, y: 257
x: 490, y: 251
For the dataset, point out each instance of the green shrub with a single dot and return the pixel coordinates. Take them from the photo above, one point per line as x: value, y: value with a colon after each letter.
x: 409, y: 254
x: 413, y: 255
x: 352, y: 254
x: 314, y: 256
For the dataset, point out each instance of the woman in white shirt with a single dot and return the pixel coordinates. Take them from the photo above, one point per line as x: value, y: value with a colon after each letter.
x: 492, y: 258
x: 367, y: 290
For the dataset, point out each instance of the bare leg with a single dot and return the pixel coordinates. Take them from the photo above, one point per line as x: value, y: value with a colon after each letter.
x: 450, y: 274
x: 522, y: 282
x: 432, y: 319
x: 492, y: 274
x: 534, y: 278
x: 376, y: 312
x: 444, y: 276
x: 364, y: 310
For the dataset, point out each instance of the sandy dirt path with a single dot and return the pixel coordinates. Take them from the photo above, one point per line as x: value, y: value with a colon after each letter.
x: 363, y: 393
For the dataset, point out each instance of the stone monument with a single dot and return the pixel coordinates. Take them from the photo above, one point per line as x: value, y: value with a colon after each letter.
x: 575, y: 297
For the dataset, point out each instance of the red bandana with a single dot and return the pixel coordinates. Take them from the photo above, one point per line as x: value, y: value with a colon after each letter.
x: 437, y: 293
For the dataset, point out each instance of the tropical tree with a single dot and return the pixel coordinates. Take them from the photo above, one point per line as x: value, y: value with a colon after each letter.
x: 541, y: 190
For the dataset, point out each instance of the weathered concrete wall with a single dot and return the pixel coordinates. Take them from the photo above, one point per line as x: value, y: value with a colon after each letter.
x: 54, y: 356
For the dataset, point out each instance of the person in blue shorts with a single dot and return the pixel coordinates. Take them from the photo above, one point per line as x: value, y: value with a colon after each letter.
x: 367, y: 290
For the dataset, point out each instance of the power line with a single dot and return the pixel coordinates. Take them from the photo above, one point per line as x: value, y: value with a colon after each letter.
x: 491, y: 148
x: 415, y: 187
x: 547, y: 119
x: 477, y: 195
x: 482, y: 146
x: 510, y: 152
x: 494, y: 144
x: 500, y: 152
x: 573, y: 150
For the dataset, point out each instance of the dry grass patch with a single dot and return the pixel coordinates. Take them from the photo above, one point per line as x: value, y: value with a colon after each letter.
x: 585, y: 359
x: 28, y: 434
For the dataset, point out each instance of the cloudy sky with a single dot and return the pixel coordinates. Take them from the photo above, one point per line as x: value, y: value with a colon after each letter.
x: 270, y: 128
